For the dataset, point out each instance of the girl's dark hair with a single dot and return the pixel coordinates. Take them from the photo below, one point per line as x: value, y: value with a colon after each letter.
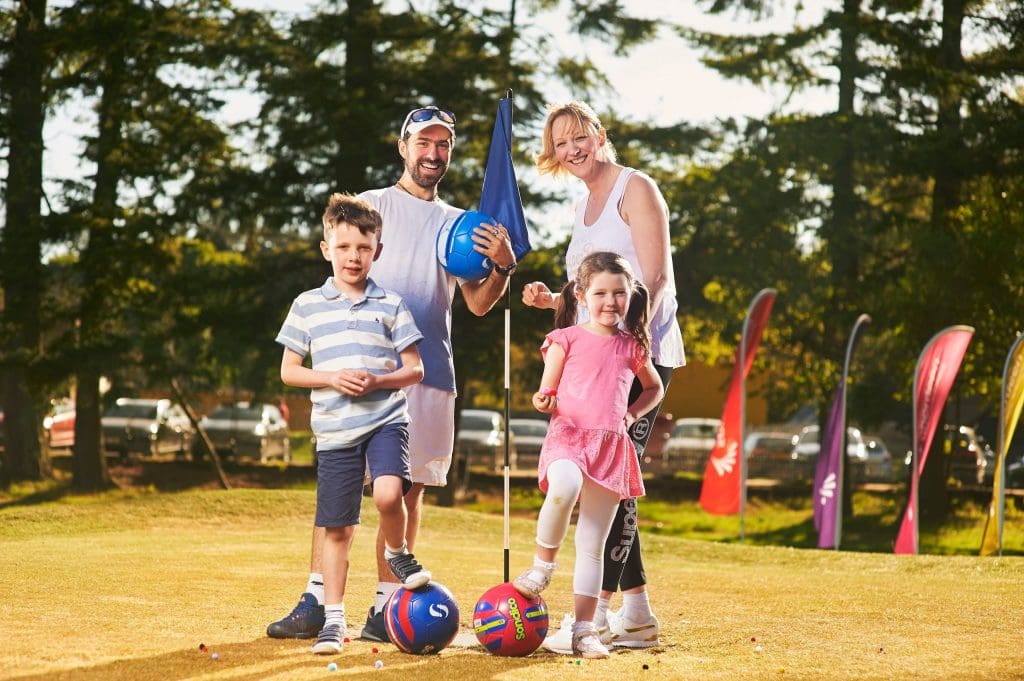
x: 639, y: 300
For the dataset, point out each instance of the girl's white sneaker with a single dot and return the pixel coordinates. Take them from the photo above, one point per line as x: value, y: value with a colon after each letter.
x: 587, y: 643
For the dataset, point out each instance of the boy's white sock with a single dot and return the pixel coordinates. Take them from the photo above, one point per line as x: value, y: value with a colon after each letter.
x: 384, y: 591
x: 315, y: 586
x: 334, y: 614
x: 390, y: 553
x: 601, y: 614
x: 636, y: 607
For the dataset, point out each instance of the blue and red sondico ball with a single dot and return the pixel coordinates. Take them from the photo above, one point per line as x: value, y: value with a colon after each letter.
x: 422, y: 621
x: 455, y: 246
x: 508, y: 623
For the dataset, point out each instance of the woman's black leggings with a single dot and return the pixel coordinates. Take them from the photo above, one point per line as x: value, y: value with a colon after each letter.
x: 623, y: 565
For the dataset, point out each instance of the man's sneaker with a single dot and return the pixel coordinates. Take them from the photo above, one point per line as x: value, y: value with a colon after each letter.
x: 375, y: 629
x: 586, y: 643
x: 305, y: 621
x: 625, y: 633
x: 408, y: 570
x: 331, y: 639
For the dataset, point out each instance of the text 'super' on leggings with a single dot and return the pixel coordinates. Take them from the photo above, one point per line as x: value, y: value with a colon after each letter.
x: 623, y: 563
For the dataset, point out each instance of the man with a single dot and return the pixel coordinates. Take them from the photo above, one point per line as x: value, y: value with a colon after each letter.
x: 413, y: 214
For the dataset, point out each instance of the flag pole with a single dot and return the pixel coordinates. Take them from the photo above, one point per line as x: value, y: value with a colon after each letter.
x: 743, y: 420
x: 854, y: 337
x: 508, y: 392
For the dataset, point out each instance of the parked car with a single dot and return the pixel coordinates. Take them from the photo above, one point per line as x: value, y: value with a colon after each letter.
x: 769, y: 454
x: 146, y: 427
x: 806, y: 447
x: 60, y: 425
x: 481, y: 439
x: 968, y: 457
x: 529, y: 435
x: 878, y: 464
x: 690, y: 443
x: 244, y: 429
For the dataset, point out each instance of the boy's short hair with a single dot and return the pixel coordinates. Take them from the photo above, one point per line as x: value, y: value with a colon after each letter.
x: 349, y: 209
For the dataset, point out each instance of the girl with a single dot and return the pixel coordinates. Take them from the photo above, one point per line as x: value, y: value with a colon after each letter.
x: 587, y: 454
x: 623, y: 212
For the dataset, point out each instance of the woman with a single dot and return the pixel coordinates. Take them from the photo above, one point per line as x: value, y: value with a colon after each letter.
x: 623, y: 212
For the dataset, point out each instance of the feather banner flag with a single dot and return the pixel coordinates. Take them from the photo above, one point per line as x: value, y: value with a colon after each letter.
x: 725, y: 475
x: 499, y: 196
x: 936, y: 370
x: 828, y: 474
x: 1009, y: 413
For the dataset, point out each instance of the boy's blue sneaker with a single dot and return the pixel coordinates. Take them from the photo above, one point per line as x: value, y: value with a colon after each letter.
x: 305, y: 621
x: 408, y: 570
x: 375, y: 629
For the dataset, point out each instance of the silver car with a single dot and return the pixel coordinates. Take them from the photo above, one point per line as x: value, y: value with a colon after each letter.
x: 244, y: 429
x: 140, y: 426
x: 529, y: 435
x: 481, y: 439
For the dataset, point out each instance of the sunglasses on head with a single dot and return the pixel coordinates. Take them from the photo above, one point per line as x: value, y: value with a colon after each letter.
x: 426, y: 114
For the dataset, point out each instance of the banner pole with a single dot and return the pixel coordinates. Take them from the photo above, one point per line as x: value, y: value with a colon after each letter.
x: 508, y: 394
x: 854, y: 337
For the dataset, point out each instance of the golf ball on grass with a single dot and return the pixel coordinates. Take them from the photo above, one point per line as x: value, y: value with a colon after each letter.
x: 378, y: 664
x: 332, y: 667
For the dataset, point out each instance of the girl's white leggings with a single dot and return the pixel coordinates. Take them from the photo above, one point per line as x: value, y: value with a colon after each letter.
x: 566, y: 483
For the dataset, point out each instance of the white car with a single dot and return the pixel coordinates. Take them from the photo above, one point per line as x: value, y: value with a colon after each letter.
x: 806, y: 447
x: 481, y: 439
x: 690, y: 443
x: 143, y: 426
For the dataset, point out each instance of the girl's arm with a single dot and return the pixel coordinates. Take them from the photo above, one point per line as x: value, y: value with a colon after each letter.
x: 650, y: 396
x: 545, y: 399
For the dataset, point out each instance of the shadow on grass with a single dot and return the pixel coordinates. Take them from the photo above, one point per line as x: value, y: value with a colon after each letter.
x: 265, y: 657
x: 44, y: 492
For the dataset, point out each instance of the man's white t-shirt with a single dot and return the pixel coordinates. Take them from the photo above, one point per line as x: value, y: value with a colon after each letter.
x: 408, y: 266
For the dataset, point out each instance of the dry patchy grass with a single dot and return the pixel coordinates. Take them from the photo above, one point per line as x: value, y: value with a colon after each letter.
x: 126, y: 586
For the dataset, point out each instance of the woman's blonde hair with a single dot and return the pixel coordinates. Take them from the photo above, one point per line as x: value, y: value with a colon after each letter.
x: 584, y: 119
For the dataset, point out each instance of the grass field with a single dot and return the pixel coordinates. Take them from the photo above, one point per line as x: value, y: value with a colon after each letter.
x: 126, y: 585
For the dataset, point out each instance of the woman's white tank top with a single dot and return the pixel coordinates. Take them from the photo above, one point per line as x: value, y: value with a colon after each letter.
x: 611, y: 233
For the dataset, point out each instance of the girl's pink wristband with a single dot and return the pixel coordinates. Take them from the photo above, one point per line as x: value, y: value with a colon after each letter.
x: 550, y: 392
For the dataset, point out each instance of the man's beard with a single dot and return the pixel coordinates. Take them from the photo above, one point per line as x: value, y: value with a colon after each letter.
x: 426, y: 182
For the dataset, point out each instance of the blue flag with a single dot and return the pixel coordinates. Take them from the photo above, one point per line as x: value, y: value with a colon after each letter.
x: 499, y: 197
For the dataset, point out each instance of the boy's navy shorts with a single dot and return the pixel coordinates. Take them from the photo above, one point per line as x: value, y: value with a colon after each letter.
x: 340, y: 473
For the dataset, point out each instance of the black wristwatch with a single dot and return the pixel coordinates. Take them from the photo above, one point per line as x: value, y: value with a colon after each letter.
x: 505, y: 271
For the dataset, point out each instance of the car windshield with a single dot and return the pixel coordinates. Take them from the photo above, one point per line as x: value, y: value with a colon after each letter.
x: 477, y: 422
x: 694, y: 430
x: 773, y: 443
x: 133, y: 411
x: 529, y: 428
x: 230, y: 413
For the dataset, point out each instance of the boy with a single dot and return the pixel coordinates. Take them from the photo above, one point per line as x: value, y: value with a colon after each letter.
x: 356, y: 333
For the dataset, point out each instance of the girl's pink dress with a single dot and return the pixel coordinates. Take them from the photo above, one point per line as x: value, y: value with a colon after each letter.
x: 593, y: 394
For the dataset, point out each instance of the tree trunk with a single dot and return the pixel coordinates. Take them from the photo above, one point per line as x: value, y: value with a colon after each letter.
x: 90, y: 469
x: 842, y: 235
x: 21, y: 273
x: 357, y: 133
x: 88, y: 462
x: 947, y: 196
